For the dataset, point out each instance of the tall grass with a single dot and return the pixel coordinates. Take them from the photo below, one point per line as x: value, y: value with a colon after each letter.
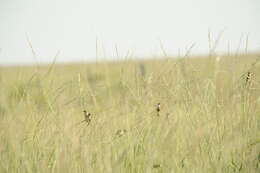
x: 209, y: 119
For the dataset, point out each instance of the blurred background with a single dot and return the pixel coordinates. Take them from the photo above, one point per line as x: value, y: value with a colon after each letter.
x: 35, y: 31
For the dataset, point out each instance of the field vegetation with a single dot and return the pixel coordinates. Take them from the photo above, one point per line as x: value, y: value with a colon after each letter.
x: 208, y: 121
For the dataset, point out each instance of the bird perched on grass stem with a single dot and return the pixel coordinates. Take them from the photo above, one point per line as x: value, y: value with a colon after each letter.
x: 248, y: 77
x: 87, y: 119
x: 158, y: 109
x: 87, y: 116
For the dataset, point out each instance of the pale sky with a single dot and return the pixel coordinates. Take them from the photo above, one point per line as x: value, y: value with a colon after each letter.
x: 135, y: 27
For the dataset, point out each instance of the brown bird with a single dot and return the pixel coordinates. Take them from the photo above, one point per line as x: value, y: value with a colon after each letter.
x: 248, y: 77
x: 87, y: 116
x: 158, y: 109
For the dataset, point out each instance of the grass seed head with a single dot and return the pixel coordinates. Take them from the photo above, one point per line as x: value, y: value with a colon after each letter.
x: 157, y: 166
x: 120, y: 132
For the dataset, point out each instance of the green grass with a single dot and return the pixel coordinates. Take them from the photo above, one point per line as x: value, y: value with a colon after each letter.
x: 209, y: 119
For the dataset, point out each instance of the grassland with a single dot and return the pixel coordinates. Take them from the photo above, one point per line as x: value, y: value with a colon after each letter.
x: 209, y: 119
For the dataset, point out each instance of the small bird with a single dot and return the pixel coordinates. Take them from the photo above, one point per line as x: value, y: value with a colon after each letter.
x: 119, y: 133
x: 158, y: 109
x: 248, y: 77
x: 87, y: 116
